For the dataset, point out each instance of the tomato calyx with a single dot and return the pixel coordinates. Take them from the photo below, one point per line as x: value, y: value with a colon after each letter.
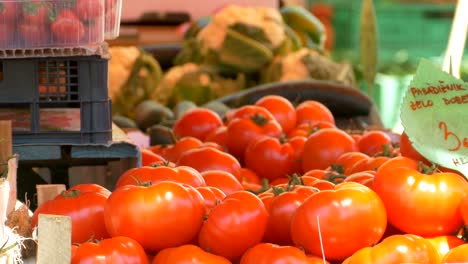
x: 463, y: 233
x: 425, y: 169
x: 387, y: 151
x: 165, y: 163
x: 259, y: 119
x: 337, y: 168
x: 140, y: 183
x: 70, y: 194
x: 334, y: 177
x: 265, y: 186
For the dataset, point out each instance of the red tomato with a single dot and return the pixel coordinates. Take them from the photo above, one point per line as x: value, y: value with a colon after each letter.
x: 248, y: 111
x: 34, y: 34
x: 222, y: 180
x: 396, y: 249
x: 307, y: 129
x: 363, y: 177
x: 346, y: 161
x: 369, y: 164
x: 83, y: 188
x: 219, y: 136
x: 443, y: 244
x: 208, y: 158
x: 464, y: 209
x: 331, y: 176
x: 281, y: 108
x: 86, y: 211
x: 143, y: 175
x: 148, y: 157
x: 35, y: 13
x: 411, y: 197
x: 247, y: 175
x: 311, y: 111
x: 212, y: 196
x: 407, y: 150
x: 324, y: 147
x: 241, y: 131
x: 281, y: 205
x: 234, y: 226
x: 456, y: 255
x: 297, y: 143
x: 93, y: 31
x: 9, y: 11
x: 89, y: 9
x: 173, y: 152
x: 267, y: 253
x: 115, y: 250
x: 7, y: 34
x: 343, y: 220
x: 67, y: 28
x: 187, y: 254
x: 375, y: 142
x: 163, y: 210
x: 198, y: 123
x: 264, y: 151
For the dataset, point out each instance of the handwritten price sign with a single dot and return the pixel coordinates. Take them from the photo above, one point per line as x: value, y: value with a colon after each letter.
x: 434, y: 113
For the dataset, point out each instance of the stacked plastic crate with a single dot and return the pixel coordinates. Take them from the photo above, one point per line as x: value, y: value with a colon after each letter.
x: 54, y: 69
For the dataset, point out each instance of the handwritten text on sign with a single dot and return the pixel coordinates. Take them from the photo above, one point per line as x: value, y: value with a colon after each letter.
x: 434, y: 113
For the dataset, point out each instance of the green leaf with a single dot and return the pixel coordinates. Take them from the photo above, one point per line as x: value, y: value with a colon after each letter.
x: 253, y: 32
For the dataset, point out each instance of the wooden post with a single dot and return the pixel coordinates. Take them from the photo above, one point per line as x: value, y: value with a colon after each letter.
x: 54, y: 239
x: 46, y: 192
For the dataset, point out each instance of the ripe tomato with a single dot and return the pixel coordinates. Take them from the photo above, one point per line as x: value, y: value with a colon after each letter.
x: 365, y: 178
x: 115, y: 250
x: 198, y: 122
x: 264, y: 151
x: 67, y: 28
x: 311, y: 111
x: 375, y: 142
x: 89, y: 9
x: 307, y: 129
x: 247, y: 175
x: 219, y: 136
x: 267, y: 253
x: 34, y: 35
x: 411, y: 197
x: 208, y: 158
x: 443, y: 244
x: 456, y: 255
x: 407, y: 150
x: 346, y: 161
x: 324, y: 147
x: 343, y: 220
x: 83, y: 188
x: 281, y: 205
x: 297, y: 143
x: 137, y: 211
x: 187, y: 254
x: 331, y: 176
x: 369, y: 164
x: 212, y: 196
x: 86, y: 210
x: 35, y: 13
x: 464, y: 209
x: 142, y: 175
x: 9, y: 11
x: 172, y: 152
x: 148, y: 157
x: 281, y: 108
x: 222, y: 180
x: 397, y: 249
x: 240, y: 131
x: 234, y: 226
x: 248, y: 111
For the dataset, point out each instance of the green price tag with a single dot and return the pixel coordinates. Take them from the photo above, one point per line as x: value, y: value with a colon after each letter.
x: 434, y: 114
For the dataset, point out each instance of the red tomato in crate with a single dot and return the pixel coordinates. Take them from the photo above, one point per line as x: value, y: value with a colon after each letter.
x: 234, y: 225
x: 9, y: 11
x: 115, y: 250
x: 324, y: 147
x: 397, y: 249
x: 188, y: 254
x: 281, y: 108
x: 222, y: 180
x: 142, y: 175
x: 7, y: 34
x: 89, y: 9
x: 197, y: 123
x: 86, y: 210
x: 93, y: 31
x: 420, y: 202
x: 67, y: 28
x: 343, y: 220
x: 267, y: 253
x: 312, y: 111
x: 166, y: 214
x: 269, y: 158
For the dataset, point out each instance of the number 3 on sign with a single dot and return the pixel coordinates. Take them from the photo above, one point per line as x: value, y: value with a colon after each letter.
x: 449, y: 134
